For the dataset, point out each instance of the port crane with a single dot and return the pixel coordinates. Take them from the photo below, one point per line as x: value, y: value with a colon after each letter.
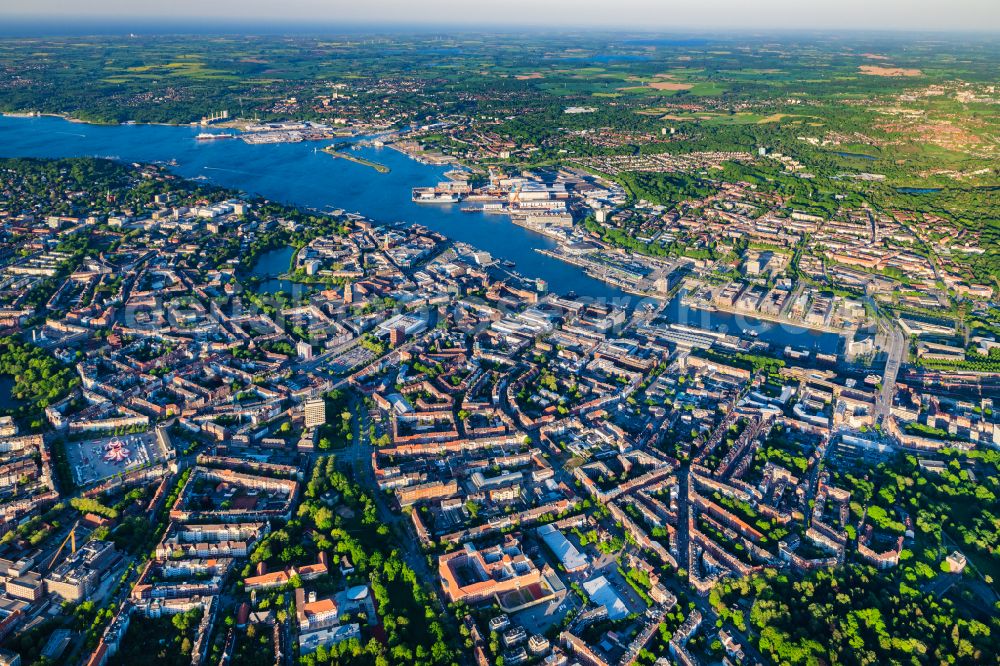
x: 71, y: 537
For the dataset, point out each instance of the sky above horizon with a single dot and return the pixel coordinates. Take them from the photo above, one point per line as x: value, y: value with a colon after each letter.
x: 936, y: 15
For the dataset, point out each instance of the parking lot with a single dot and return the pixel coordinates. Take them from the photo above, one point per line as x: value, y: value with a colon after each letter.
x: 537, y: 619
x: 349, y: 360
x: 93, y: 460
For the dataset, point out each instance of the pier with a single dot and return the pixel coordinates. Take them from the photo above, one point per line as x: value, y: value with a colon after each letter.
x: 340, y: 154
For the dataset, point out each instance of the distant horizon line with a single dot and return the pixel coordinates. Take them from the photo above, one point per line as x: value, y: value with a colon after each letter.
x: 81, y: 26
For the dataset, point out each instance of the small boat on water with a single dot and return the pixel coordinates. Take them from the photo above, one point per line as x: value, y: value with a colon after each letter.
x: 210, y: 136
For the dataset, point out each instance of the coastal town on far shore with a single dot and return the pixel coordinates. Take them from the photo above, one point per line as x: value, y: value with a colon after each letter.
x: 237, y: 431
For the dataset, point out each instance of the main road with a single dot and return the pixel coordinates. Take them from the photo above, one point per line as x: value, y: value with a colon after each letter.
x: 895, y: 351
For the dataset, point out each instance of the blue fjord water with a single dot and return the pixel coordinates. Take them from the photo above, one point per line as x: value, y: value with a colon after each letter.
x: 294, y: 173
x: 297, y: 174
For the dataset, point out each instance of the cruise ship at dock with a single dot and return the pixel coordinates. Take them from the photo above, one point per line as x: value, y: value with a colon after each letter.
x: 433, y: 195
